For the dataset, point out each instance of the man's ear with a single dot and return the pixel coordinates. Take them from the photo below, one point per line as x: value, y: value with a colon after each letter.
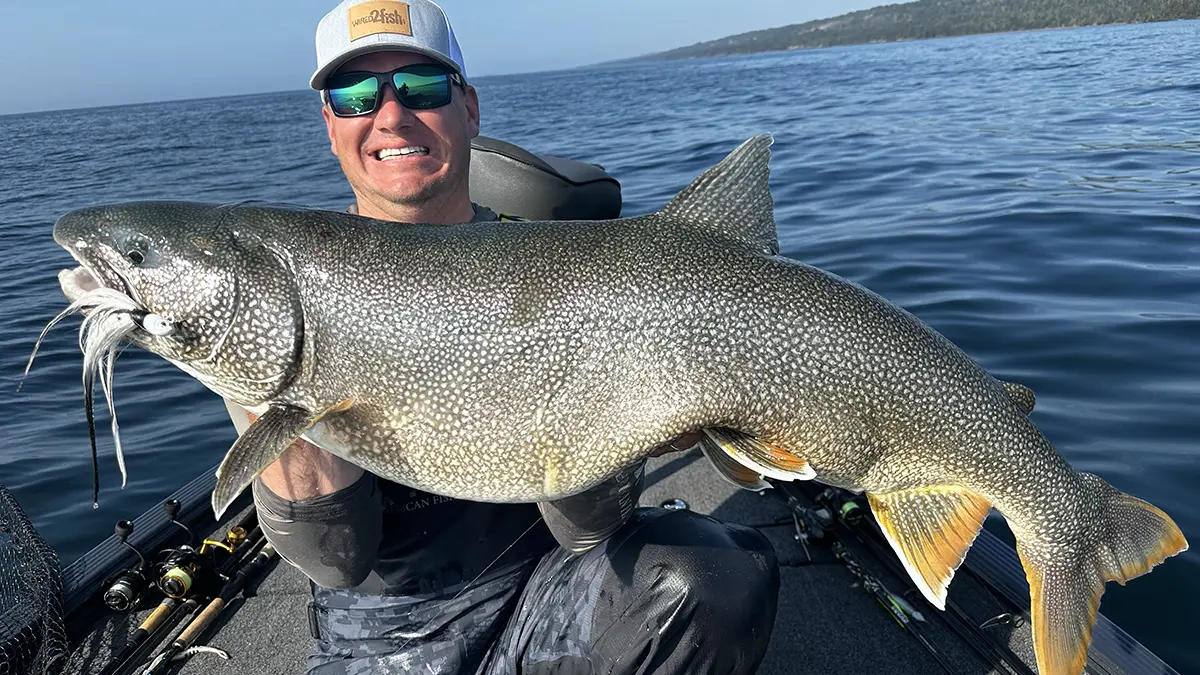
x: 472, y: 101
x: 325, y: 113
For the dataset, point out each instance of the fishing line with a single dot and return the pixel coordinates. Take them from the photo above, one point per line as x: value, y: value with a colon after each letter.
x: 468, y: 585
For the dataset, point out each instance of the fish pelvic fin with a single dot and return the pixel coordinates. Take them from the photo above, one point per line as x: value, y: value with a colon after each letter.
x: 262, y: 443
x: 745, y: 460
x: 730, y: 469
x: 930, y: 529
x: 733, y: 198
x: 1021, y: 395
x: 1064, y: 595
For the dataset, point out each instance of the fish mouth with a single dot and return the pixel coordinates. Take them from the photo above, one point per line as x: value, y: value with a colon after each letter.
x: 93, y: 275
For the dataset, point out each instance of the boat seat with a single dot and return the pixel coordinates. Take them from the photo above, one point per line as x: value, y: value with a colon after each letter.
x: 509, y: 179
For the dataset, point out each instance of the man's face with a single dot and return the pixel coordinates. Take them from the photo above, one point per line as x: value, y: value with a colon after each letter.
x: 421, y: 180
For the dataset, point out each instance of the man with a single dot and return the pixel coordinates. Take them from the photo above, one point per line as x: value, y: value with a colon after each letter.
x: 405, y: 581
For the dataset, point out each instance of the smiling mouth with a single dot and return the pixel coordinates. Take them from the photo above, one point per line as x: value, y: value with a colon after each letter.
x: 397, y: 153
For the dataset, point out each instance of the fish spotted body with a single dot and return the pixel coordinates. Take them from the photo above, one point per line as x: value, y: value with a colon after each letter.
x: 529, y: 361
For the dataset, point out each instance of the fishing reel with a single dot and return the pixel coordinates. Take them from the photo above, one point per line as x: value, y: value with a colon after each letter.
x: 841, y: 503
x: 176, y: 571
x: 180, y: 569
x: 125, y: 591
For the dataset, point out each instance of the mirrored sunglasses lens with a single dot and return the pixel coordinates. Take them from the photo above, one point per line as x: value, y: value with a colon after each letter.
x: 353, y: 95
x: 423, y: 91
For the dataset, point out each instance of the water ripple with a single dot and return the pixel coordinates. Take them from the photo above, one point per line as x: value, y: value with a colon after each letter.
x: 1035, y: 197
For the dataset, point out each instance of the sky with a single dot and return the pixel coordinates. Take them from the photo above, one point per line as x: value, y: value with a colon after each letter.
x: 80, y: 54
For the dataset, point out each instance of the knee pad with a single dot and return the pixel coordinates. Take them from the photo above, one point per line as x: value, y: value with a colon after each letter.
x: 711, y: 560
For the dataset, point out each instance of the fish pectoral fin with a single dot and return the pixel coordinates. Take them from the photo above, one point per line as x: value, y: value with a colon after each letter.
x: 730, y: 469
x: 930, y: 529
x: 261, y: 444
x: 757, y: 457
x: 1021, y: 395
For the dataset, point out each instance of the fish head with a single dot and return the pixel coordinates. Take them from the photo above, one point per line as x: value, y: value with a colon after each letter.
x: 209, y: 293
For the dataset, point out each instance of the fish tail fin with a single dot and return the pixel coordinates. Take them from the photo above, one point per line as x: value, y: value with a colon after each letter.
x: 1065, y: 595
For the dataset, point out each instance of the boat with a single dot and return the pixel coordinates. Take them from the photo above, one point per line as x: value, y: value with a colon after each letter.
x: 845, y: 604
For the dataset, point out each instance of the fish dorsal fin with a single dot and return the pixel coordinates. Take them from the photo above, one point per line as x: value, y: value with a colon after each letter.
x: 930, y: 529
x: 733, y: 198
x: 1021, y: 395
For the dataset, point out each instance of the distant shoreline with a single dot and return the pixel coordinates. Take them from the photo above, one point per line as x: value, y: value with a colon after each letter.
x: 930, y: 20
x: 678, y: 54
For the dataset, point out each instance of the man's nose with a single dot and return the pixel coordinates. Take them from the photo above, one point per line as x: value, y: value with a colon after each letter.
x: 391, y: 114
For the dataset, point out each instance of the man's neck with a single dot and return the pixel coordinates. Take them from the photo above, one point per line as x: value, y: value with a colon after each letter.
x: 458, y: 211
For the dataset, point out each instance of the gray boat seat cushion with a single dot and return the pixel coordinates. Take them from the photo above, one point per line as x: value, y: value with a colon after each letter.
x: 509, y: 179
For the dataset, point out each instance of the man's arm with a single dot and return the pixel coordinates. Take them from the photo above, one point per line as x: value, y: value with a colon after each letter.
x: 320, y: 512
x: 582, y: 521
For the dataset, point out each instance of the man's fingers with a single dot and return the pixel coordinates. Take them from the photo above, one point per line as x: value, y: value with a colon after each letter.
x: 679, y: 444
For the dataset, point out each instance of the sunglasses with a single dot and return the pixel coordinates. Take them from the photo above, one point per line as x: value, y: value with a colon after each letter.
x: 418, y: 87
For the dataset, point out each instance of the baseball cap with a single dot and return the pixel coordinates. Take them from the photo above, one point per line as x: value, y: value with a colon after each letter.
x: 357, y: 27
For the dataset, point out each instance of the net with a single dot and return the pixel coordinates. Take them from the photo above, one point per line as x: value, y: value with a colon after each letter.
x: 33, y: 639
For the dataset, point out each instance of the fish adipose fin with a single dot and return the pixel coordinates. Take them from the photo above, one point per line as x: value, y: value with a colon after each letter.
x: 733, y: 198
x: 930, y: 529
x: 261, y: 444
x: 755, y: 459
x: 1064, y: 593
x: 1021, y: 395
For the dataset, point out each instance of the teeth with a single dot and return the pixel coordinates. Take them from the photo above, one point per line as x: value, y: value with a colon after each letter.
x: 401, y: 152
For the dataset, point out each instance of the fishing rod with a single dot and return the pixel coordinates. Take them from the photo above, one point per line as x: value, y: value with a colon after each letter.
x: 182, y: 644
x: 853, y: 518
x: 183, y: 573
x: 813, y: 525
x: 903, y: 613
x: 171, y: 612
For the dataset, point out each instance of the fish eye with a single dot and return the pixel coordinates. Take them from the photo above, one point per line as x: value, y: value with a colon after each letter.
x: 136, y: 249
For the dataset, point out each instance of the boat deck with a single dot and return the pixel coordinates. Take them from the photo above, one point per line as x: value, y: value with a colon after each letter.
x: 826, y: 623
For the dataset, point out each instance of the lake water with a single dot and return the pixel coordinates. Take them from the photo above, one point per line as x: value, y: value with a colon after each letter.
x: 1034, y: 196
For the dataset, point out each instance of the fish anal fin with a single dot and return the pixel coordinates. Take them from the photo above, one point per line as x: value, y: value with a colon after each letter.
x: 761, y: 458
x: 930, y: 529
x: 730, y: 469
x: 1021, y: 395
x: 261, y: 444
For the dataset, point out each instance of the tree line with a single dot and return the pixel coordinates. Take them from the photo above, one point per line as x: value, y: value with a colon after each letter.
x: 940, y: 18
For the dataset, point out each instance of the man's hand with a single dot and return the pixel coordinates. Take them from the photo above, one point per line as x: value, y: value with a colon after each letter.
x: 679, y: 444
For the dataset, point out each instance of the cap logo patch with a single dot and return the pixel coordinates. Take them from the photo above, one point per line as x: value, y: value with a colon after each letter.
x: 379, y: 16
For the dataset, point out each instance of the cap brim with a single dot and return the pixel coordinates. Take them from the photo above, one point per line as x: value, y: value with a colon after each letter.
x: 317, y: 81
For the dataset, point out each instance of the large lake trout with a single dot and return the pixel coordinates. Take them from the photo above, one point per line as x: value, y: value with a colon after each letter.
x: 528, y: 361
